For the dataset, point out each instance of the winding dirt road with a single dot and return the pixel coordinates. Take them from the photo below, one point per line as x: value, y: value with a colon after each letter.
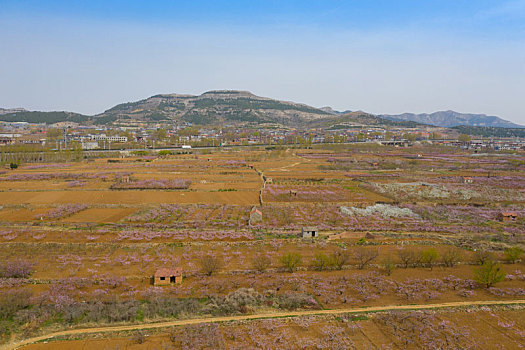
x: 19, y: 344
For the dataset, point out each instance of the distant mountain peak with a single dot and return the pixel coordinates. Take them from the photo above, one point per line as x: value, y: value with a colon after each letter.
x: 214, y: 107
x: 451, y: 118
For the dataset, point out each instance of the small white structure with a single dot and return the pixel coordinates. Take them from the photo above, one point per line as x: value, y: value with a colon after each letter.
x: 103, y: 137
x: 90, y: 145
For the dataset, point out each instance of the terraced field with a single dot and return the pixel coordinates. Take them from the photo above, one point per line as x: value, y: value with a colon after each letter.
x: 80, y: 243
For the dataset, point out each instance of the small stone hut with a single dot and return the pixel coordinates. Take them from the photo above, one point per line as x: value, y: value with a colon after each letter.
x: 467, y: 180
x: 507, y: 216
x: 309, y: 231
x: 255, y: 216
x: 165, y: 276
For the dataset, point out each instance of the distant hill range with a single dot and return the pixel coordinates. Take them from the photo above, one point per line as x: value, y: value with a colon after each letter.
x: 450, y: 119
x: 490, y: 131
x: 210, y: 108
x: 346, y: 120
x: 243, y: 107
x: 45, y: 117
x: 11, y: 110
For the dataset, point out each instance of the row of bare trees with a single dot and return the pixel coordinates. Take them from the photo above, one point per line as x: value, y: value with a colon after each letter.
x: 364, y: 256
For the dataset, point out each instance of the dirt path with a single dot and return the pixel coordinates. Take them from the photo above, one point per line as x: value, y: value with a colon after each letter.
x: 285, y: 168
x: 16, y: 345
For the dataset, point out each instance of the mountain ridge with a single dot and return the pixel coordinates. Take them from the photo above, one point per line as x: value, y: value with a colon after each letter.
x: 237, y: 106
x: 217, y: 106
x: 451, y: 119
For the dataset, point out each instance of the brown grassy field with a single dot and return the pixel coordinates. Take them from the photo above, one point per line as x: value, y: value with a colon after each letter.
x: 94, y: 233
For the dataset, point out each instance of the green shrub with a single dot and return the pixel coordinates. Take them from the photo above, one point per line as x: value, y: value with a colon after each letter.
x: 429, y: 257
x: 513, y: 254
x: 291, y: 261
x: 321, y: 262
x: 140, y: 153
x: 489, y: 274
x: 388, y: 264
x: 165, y: 153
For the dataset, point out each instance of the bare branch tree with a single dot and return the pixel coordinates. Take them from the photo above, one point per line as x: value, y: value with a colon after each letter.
x: 261, y: 262
x: 365, y: 256
x: 408, y: 257
x: 451, y: 256
x: 210, y: 264
x: 339, y: 258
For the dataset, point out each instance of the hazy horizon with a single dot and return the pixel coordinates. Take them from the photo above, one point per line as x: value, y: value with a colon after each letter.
x: 380, y: 57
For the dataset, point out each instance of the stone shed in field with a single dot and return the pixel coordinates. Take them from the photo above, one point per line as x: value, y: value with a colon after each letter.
x: 309, y: 231
x: 165, y: 276
x: 467, y: 180
x: 507, y: 216
x: 255, y: 216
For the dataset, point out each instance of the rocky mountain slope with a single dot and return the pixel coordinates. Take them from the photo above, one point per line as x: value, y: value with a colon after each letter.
x: 215, y: 107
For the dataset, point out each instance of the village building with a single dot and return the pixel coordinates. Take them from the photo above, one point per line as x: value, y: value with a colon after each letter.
x: 309, y: 231
x: 87, y: 145
x: 255, y: 216
x: 125, y: 179
x: 165, y: 276
x: 467, y: 180
x: 62, y: 125
x: 9, y: 138
x: 507, y: 216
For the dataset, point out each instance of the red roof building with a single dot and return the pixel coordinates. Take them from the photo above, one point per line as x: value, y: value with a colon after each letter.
x: 167, y: 276
x: 507, y: 216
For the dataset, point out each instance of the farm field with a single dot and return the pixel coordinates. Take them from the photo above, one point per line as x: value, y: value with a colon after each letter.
x: 80, y: 244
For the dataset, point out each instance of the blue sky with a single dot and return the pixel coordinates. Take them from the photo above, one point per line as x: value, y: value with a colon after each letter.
x: 377, y: 56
